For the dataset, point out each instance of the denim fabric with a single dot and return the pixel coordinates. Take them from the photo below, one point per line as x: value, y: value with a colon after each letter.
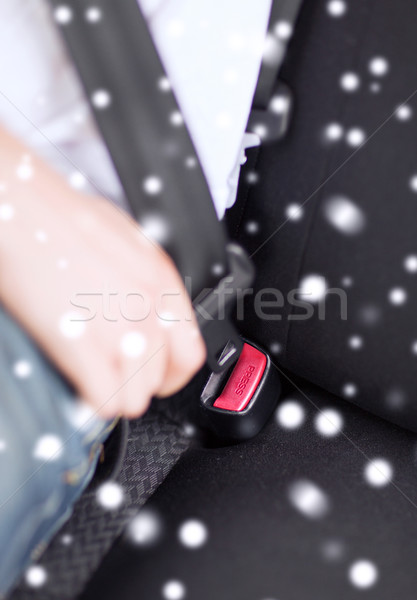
x: 49, y: 447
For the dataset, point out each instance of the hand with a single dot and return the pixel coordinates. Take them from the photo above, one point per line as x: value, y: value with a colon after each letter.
x: 104, y: 303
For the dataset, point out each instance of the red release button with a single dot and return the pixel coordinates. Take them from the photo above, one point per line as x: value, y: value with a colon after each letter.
x: 243, y: 380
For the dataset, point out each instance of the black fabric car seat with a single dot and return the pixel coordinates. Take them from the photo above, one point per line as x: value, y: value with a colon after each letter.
x: 359, y: 538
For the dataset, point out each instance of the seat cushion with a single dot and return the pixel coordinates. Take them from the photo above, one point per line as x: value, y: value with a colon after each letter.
x: 348, y: 162
x: 321, y: 504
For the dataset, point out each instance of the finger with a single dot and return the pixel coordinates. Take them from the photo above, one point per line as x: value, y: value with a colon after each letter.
x: 186, y: 356
x: 143, y: 364
x: 98, y: 382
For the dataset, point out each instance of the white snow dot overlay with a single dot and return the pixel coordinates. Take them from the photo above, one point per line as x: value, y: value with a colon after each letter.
x: 217, y: 269
x: 144, y: 529
x: 152, y: 185
x: 81, y: 415
x: 93, y: 14
x: 63, y: 15
x: 275, y: 347
x: 379, y: 66
x: 6, y: 212
x: 173, y: 590
x: 252, y: 227
x: 189, y: 430
x: 283, y: 30
x: 67, y: 539
x: 308, y: 499
x: 333, y: 550
x: 167, y: 318
x: 397, y: 296
x: 329, y: 422
x: 164, y: 84
x: 355, y: 137
x: 404, y: 112
x: 191, y: 162
x: 355, y: 342
x: 294, y: 212
x: 370, y: 314
x: 290, y: 414
x: 193, y: 533
x: 101, y: 99
x: 22, y: 369
x: 49, y: 447
x: 350, y: 82
x: 313, y: 287
x: 71, y: 325
x: 133, y: 344
x: 363, y: 574
x: 333, y: 132
x: 378, y: 472
x: 279, y: 104
x: 110, y: 495
x: 410, y: 263
x: 271, y: 50
x: 395, y: 398
x: 24, y: 171
x: 36, y: 576
x: 77, y: 180
x: 413, y: 183
x: 336, y: 8
x: 62, y: 263
x: 261, y: 130
x: 155, y: 228
x: 349, y: 390
x: 252, y: 177
x: 176, y: 119
x: 41, y: 236
x: 344, y: 215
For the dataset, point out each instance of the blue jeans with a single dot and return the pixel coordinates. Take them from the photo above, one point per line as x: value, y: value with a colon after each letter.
x: 49, y: 447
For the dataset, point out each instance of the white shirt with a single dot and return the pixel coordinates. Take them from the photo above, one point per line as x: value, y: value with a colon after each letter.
x: 211, y: 50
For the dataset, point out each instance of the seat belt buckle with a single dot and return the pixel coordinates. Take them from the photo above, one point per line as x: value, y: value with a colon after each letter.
x: 235, y: 404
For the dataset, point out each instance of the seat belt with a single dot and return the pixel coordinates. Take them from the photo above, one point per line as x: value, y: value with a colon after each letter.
x: 150, y: 147
x: 126, y: 84
x: 141, y: 123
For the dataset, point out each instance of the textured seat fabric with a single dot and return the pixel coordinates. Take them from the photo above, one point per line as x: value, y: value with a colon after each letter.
x: 301, y: 512
x: 349, y: 162
x: 154, y: 444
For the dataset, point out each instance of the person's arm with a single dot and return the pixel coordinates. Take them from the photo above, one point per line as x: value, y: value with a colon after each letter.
x: 60, y: 251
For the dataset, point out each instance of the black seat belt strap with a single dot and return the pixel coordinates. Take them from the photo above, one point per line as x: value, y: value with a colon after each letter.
x: 142, y: 126
x: 154, y: 156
